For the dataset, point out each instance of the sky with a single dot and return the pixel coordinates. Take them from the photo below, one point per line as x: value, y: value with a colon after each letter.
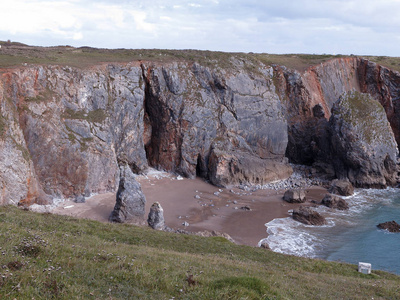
x: 360, y: 27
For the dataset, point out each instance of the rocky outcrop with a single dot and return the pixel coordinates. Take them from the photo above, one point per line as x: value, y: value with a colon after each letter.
x: 308, y: 216
x: 310, y: 97
x: 333, y: 201
x: 341, y: 187
x: 76, y: 125
x: 64, y: 131
x: 216, y: 123
x: 295, y: 196
x: 130, y: 202
x: 391, y: 226
x: 70, y: 128
x: 232, y: 162
x: 156, y: 217
x: 383, y: 85
x: 364, y: 149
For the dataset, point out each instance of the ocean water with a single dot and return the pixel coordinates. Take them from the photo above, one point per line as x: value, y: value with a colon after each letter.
x: 350, y: 236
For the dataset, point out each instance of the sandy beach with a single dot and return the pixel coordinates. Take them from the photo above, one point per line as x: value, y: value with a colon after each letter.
x: 199, y: 204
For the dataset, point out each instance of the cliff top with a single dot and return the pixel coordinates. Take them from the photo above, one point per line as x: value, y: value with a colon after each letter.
x: 15, y: 54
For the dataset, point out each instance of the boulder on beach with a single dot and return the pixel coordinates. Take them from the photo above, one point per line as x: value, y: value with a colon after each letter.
x: 341, y: 187
x: 129, y: 205
x: 79, y: 199
x: 156, y: 217
x: 333, y: 201
x: 391, y: 226
x: 295, y: 196
x: 308, y: 216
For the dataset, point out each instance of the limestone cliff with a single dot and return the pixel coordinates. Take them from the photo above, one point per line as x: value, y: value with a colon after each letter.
x: 65, y: 131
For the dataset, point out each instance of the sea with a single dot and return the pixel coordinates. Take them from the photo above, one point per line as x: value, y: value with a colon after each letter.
x: 350, y: 236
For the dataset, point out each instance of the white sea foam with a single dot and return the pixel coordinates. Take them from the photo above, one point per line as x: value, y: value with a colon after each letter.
x: 288, y: 236
x: 291, y: 237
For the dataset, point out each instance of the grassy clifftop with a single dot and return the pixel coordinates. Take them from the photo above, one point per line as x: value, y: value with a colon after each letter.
x: 48, y: 256
x: 17, y: 54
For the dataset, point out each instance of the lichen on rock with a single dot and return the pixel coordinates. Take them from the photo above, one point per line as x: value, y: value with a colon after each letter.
x: 363, y: 143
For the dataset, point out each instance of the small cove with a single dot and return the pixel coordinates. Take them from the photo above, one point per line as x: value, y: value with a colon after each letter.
x: 350, y: 236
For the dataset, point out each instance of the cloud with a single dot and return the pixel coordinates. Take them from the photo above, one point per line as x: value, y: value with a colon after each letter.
x: 312, y: 26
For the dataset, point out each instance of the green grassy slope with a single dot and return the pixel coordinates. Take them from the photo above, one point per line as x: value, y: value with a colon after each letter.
x: 47, y: 256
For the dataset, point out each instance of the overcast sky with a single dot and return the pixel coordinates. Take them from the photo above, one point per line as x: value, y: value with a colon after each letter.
x: 272, y: 26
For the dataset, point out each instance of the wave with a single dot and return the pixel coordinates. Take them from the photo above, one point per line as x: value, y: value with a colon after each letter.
x: 291, y: 237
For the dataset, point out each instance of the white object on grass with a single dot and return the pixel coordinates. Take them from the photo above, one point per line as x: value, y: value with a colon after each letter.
x: 364, y: 268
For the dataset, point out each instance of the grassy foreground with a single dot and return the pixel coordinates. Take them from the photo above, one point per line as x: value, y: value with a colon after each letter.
x: 46, y: 256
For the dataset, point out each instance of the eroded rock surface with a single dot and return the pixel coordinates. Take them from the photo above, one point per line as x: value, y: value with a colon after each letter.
x: 341, y: 187
x: 335, y: 202
x: 156, y: 217
x: 130, y: 202
x: 364, y: 147
x: 295, y: 196
x: 64, y: 131
x: 308, y: 216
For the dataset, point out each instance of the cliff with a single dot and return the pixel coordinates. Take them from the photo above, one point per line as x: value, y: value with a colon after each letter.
x: 65, y: 130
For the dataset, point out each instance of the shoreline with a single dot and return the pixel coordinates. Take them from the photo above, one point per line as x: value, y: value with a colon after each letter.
x: 201, y: 205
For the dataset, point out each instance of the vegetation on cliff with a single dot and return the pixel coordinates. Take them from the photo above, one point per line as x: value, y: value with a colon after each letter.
x: 48, y: 256
x: 14, y: 54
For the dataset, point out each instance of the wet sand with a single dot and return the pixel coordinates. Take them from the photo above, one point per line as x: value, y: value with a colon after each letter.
x: 200, y: 204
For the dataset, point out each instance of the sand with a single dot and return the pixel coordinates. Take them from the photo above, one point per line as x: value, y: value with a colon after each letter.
x: 200, y: 204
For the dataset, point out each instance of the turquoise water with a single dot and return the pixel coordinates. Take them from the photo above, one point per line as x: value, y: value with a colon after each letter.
x: 350, y: 236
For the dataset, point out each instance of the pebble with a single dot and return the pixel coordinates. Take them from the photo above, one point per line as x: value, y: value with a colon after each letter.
x: 185, y: 224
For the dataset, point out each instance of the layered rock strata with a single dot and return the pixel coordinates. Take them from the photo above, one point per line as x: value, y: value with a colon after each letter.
x: 65, y: 131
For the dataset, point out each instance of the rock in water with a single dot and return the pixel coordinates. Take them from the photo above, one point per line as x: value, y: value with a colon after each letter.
x: 156, y: 217
x: 341, y: 187
x: 308, y: 216
x: 336, y: 202
x: 295, y: 196
x: 130, y: 200
x: 364, y: 148
x: 389, y: 226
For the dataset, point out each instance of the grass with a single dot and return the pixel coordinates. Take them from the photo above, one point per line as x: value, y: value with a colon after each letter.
x: 47, y: 256
x: 17, y: 54
x: 386, y: 61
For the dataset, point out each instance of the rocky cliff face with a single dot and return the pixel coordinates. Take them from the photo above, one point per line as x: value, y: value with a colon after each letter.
x: 65, y: 131
x: 310, y: 97
x: 364, y: 149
